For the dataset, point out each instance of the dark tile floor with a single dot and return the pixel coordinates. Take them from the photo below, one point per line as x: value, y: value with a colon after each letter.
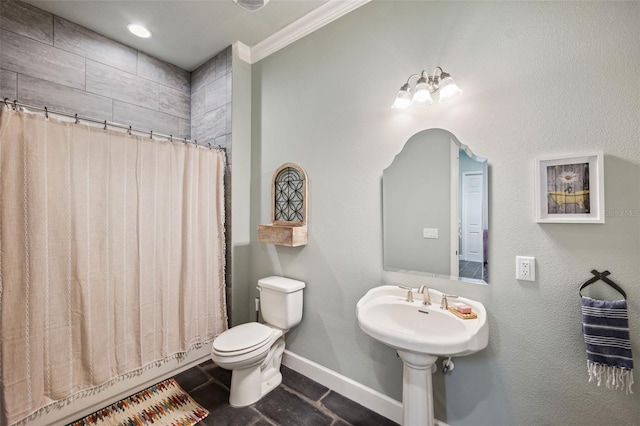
x: 473, y: 270
x: 298, y: 401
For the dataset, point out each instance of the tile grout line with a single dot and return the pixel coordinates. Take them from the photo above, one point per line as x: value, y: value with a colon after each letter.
x: 263, y: 417
x: 317, y: 404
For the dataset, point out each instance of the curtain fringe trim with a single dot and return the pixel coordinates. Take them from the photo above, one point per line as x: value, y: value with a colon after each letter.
x: 99, y: 388
x: 223, y: 260
x: 613, y: 377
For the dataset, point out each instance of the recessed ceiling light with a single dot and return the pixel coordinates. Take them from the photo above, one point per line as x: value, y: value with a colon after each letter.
x: 139, y: 30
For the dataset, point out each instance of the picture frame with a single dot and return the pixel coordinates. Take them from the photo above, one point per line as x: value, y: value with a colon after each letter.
x: 570, y: 189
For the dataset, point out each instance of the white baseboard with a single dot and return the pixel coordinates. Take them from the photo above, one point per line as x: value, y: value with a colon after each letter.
x: 367, y: 397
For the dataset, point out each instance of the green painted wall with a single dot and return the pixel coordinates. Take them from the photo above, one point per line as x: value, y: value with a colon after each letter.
x: 539, y: 78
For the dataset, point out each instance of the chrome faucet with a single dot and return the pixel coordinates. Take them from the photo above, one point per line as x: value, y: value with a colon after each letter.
x: 426, y: 297
x: 409, y: 293
x: 444, y: 304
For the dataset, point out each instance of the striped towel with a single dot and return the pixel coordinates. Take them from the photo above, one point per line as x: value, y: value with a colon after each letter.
x: 605, y: 325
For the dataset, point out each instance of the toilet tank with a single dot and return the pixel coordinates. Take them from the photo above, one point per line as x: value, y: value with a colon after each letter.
x: 281, y: 301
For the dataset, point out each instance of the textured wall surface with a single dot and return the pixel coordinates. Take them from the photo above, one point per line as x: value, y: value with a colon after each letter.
x: 241, y: 189
x: 211, y: 123
x: 48, y: 61
x: 539, y: 78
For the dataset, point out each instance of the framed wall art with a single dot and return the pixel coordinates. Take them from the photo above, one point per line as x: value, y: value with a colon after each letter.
x: 570, y: 189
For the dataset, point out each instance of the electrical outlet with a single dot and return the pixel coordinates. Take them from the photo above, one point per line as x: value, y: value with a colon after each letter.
x: 525, y: 268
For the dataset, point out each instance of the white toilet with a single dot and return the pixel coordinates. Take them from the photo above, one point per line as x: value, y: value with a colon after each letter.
x: 253, y: 351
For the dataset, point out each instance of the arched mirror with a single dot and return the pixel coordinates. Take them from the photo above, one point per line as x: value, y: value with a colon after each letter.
x: 435, y: 209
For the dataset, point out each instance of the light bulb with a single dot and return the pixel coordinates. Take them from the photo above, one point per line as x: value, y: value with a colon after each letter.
x: 448, y: 88
x: 403, y: 98
x: 422, y: 94
x: 139, y: 30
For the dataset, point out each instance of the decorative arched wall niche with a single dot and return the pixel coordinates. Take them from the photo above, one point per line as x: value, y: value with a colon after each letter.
x: 289, y: 208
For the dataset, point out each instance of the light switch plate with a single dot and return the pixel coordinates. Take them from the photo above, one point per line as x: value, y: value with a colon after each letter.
x: 430, y: 233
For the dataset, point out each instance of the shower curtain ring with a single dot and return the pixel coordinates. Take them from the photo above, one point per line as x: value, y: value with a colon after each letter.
x: 76, y: 118
x: 7, y: 103
x: 105, y: 124
x: 185, y: 141
x: 15, y: 104
x: 170, y: 138
x: 46, y: 112
x: 129, y: 131
x: 150, y: 134
x: 209, y: 143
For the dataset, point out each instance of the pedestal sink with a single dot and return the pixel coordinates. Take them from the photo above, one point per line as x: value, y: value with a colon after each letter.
x: 420, y: 333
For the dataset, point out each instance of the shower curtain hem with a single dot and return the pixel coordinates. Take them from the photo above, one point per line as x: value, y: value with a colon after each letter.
x: 99, y: 388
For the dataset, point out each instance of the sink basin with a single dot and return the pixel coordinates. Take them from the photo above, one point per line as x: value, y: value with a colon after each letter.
x: 384, y: 314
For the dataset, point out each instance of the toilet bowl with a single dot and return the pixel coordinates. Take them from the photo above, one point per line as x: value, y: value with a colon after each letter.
x: 253, y: 351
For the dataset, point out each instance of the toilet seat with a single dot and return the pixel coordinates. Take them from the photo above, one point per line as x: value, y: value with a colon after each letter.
x: 242, y: 339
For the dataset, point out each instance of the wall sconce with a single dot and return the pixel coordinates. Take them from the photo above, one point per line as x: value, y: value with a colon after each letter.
x: 425, y: 86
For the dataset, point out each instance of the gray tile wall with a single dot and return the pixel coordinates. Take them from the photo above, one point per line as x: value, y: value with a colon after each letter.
x: 211, y: 123
x: 48, y: 61
x: 211, y: 101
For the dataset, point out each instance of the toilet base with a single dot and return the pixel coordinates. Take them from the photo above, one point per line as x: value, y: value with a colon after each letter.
x: 249, y: 385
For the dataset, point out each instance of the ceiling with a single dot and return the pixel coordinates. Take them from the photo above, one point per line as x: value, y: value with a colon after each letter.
x: 185, y: 32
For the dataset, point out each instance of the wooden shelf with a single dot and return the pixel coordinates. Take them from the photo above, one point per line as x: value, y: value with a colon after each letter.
x: 283, y: 235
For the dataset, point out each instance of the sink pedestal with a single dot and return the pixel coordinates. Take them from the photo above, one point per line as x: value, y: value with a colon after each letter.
x: 417, y: 390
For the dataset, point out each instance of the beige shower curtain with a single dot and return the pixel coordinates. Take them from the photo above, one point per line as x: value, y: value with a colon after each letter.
x: 111, y: 257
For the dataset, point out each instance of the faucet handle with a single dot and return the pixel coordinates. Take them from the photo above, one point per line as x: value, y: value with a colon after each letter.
x: 409, y: 292
x: 444, y: 304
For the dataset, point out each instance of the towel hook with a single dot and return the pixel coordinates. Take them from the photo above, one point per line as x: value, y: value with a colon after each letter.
x: 602, y: 276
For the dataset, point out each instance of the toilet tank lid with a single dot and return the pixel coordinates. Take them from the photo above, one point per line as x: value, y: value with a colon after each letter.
x: 285, y: 285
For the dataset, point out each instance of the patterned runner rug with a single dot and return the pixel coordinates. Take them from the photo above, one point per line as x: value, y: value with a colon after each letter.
x: 162, y: 404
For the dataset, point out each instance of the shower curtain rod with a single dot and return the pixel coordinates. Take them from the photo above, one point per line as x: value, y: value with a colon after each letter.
x: 15, y: 105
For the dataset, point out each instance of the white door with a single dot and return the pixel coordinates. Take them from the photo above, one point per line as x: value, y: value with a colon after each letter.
x: 472, y: 247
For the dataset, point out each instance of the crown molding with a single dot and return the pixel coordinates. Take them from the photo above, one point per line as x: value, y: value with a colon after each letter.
x: 244, y: 51
x: 316, y: 19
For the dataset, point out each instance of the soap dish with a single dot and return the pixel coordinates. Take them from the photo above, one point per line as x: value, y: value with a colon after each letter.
x: 472, y: 315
